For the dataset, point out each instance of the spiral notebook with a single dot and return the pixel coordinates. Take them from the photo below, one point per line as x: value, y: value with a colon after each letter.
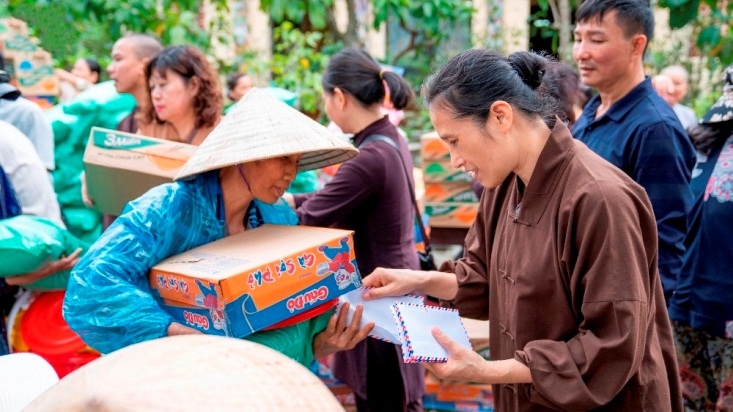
x: 379, y: 312
x: 414, y: 324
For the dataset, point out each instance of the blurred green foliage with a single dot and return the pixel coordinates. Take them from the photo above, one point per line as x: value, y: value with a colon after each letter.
x: 70, y: 29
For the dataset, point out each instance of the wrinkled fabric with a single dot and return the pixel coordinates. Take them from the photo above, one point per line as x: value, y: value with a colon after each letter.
x: 109, y: 301
x: 566, y: 272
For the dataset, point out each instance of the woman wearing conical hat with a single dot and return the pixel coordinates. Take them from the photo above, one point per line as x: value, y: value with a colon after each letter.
x: 232, y: 183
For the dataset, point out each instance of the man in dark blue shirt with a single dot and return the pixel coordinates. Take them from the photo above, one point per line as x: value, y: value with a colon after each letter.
x: 629, y: 125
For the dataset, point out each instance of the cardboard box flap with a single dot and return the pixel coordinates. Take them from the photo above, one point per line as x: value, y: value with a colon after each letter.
x: 158, y: 151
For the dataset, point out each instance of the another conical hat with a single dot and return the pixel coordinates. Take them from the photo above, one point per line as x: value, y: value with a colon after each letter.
x: 262, y: 127
x: 190, y: 373
x: 23, y: 377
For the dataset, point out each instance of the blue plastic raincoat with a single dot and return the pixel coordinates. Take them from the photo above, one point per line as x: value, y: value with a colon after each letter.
x: 109, y: 302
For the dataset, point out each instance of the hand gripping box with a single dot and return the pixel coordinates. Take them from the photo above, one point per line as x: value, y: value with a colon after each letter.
x: 250, y: 281
x: 120, y: 167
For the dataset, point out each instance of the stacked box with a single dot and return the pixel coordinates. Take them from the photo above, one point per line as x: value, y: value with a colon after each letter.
x: 30, y: 67
x: 449, y: 200
x: 253, y: 280
x: 451, y: 396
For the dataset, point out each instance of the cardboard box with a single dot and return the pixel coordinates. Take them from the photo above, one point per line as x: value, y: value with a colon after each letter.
x: 247, y: 282
x: 459, y: 215
x: 120, y: 167
x: 433, y: 148
x: 11, y: 26
x: 460, y: 192
x: 33, y: 73
x: 438, y: 171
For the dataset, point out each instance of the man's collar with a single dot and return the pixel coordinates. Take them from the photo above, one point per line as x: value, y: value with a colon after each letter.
x: 625, y: 104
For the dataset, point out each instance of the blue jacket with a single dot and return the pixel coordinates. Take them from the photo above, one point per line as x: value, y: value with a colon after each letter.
x: 109, y: 302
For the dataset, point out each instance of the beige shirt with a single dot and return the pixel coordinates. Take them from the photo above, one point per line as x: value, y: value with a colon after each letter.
x: 567, y: 275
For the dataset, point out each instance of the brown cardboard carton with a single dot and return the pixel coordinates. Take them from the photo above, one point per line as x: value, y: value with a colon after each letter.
x: 433, y: 148
x: 250, y: 281
x: 120, y: 167
x: 460, y: 215
x: 459, y: 192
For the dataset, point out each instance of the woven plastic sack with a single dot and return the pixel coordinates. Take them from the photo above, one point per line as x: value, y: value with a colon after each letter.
x: 29, y: 242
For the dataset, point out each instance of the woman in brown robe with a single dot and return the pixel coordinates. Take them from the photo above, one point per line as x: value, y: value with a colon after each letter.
x: 562, y: 258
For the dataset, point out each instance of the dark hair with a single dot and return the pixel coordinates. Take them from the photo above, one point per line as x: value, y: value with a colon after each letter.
x: 188, y: 62
x: 358, y: 74
x: 474, y: 79
x: 232, y: 80
x: 633, y: 16
x: 95, y: 68
x: 708, y: 136
x: 563, y: 83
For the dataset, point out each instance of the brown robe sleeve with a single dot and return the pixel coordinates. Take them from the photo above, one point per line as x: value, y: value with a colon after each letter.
x: 608, y: 249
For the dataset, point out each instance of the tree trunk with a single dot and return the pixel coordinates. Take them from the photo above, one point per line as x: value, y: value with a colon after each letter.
x: 565, y: 27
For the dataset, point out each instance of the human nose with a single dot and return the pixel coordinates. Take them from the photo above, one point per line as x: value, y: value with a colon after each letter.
x: 580, y: 52
x: 291, y: 170
x: 155, y: 93
x: 456, y: 161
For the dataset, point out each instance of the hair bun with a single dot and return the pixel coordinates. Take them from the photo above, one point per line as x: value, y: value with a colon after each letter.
x: 529, y: 66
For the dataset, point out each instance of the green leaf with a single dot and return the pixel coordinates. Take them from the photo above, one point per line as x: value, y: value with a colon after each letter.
x: 680, y: 16
x: 177, y: 34
x: 708, y: 37
x: 317, y: 14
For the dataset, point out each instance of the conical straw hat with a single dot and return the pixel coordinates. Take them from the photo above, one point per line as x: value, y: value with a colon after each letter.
x: 23, y: 377
x: 262, y: 127
x: 190, y: 373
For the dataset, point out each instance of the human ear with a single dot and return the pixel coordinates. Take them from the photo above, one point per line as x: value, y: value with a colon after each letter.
x: 638, y: 43
x: 339, y: 98
x: 195, y: 84
x: 501, y: 116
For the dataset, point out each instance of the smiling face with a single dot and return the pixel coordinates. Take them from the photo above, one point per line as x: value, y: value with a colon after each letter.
x: 126, y: 69
x: 481, y: 150
x: 269, y: 179
x: 603, y: 52
x: 172, y: 95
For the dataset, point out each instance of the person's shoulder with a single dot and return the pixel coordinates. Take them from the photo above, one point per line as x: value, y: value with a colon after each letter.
x: 591, y: 172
